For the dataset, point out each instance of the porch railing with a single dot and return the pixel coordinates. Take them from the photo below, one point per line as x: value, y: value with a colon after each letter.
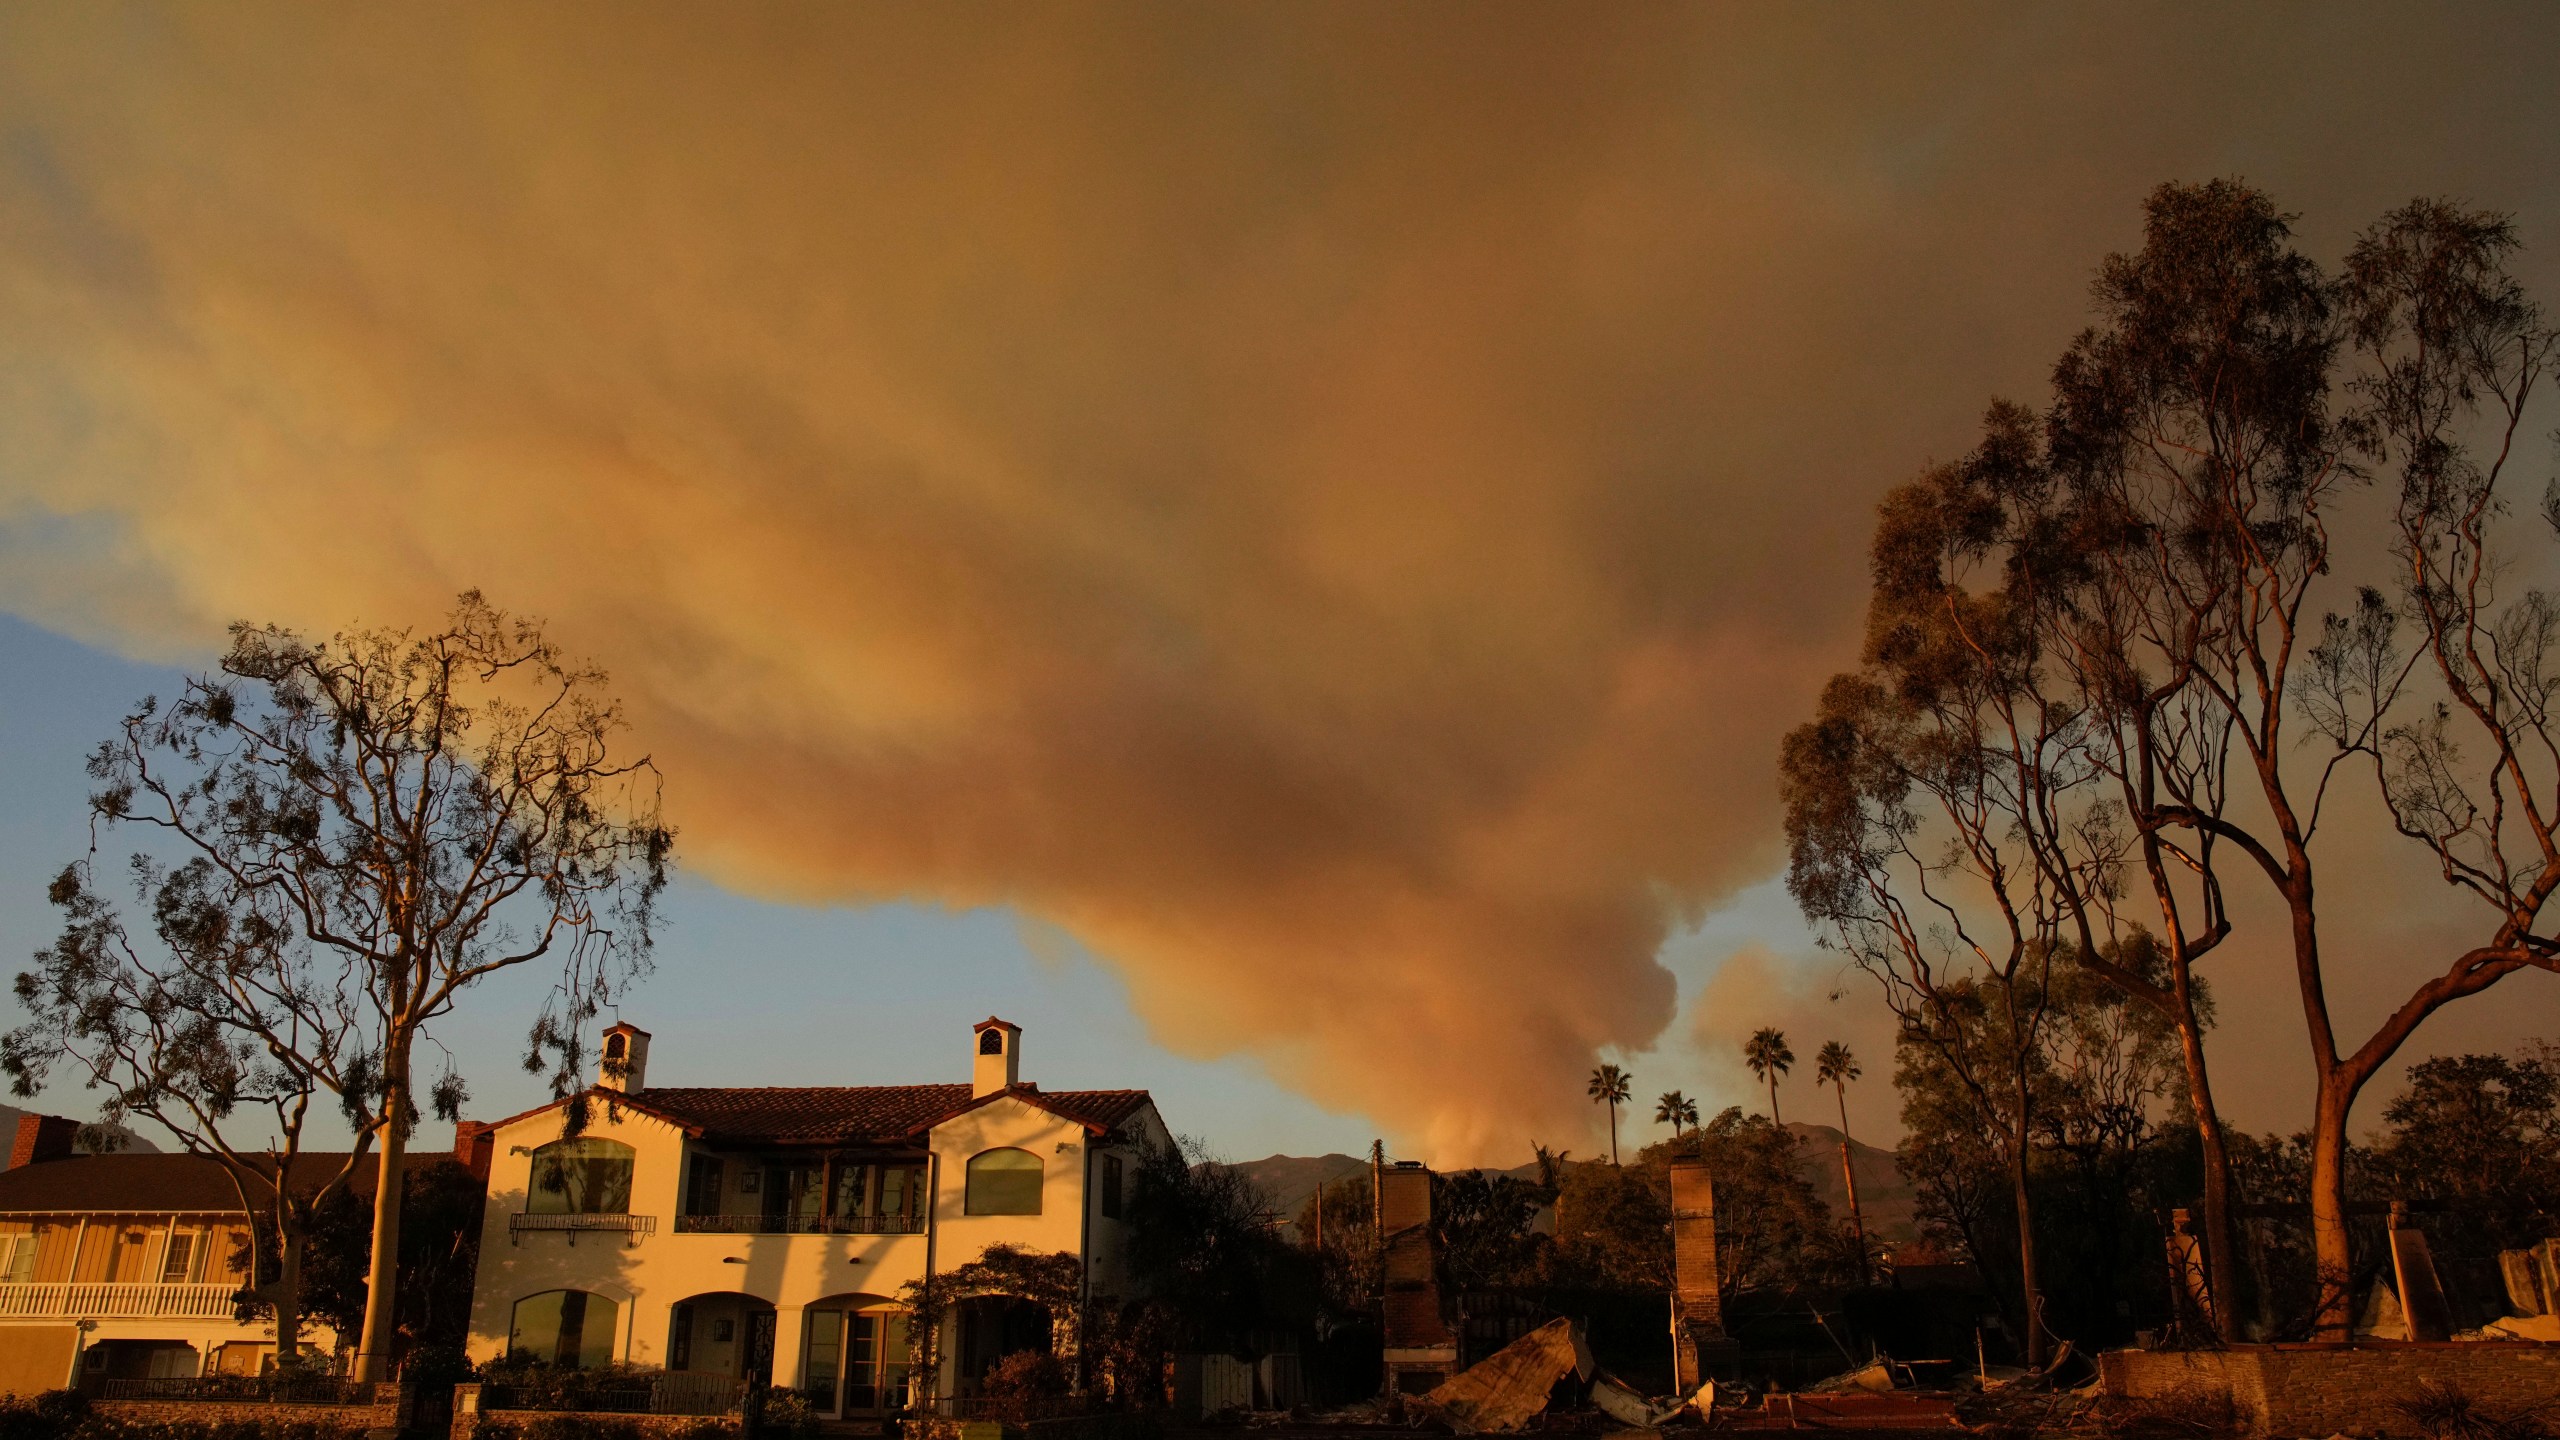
x: 799, y: 1224
x: 125, y: 1301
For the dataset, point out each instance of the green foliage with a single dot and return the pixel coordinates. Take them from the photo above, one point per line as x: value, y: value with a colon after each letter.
x: 68, y: 1415
x: 1613, y: 1223
x: 1204, y: 1253
x: 778, y: 1411
x: 440, y: 1221
x: 1481, y: 1225
x: 2484, y: 1131
x: 2105, y: 1090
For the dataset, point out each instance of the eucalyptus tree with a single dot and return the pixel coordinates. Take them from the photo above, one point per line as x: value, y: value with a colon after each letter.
x: 2454, y: 728
x: 226, y: 1029
x: 1948, y: 820
x: 416, y: 812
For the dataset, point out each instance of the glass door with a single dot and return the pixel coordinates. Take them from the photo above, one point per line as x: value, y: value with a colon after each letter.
x: 822, y: 1368
x: 875, y: 1361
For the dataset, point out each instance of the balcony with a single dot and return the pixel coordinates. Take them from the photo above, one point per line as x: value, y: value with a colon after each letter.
x: 630, y: 1226
x: 117, y: 1302
x: 799, y: 1224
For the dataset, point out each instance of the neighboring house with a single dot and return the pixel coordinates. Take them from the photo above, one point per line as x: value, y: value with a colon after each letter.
x: 764, y: 1233
x: 120, y: 1266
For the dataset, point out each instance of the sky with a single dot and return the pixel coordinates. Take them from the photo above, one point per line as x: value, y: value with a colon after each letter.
x: 1272, y: 546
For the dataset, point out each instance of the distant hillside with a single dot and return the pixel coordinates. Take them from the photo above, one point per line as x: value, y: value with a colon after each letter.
x: 1884, y: 1197
x: 1290, y: 1179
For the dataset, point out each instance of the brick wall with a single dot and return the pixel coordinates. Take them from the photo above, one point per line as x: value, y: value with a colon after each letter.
x: 2314, y: 1390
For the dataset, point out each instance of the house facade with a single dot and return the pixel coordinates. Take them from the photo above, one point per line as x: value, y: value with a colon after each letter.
x: 766, y: 1233
x: 122, y: 1267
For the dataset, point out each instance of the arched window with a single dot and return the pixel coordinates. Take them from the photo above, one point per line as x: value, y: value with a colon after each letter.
x: 584, y: 1176
x: 1004, y: 1182
x: 568, y: 1328
x: 991, y: 1042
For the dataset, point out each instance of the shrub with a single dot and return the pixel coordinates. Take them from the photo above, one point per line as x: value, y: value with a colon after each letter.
x: 1026, y: 1375
x: 48, y: 1416
x: 782, y: 1412
x: 2447, y: 1412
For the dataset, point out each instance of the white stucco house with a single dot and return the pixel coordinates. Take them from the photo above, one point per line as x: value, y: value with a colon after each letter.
x: 764, y: 1232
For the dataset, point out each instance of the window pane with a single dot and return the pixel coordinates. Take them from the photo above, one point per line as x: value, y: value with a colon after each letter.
x: 581, y: 1177
x: 1004, y: 1182
x: 893, y: 1361
x: 826, y: 1330
x: 702, y: 1186
x: 175, y: 1267
x: 568, y: 1328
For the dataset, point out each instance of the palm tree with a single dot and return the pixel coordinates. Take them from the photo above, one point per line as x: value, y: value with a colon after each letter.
x: 1767, y: 1054
x: 1836, y: 1067
x: 1609, y: 1086
x: 1675, y: 1111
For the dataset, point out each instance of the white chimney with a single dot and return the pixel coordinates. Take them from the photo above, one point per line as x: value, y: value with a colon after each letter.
x: 626, y: 1058
x: 999, y: 1057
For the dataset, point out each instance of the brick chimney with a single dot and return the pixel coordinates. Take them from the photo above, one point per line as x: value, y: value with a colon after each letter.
x: 474, y: 1142
x: 626, y: 1058
x: 43, y: 1137
x: 998, y: 1063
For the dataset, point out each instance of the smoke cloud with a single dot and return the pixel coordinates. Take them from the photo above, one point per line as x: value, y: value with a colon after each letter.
x: 1333, y: 508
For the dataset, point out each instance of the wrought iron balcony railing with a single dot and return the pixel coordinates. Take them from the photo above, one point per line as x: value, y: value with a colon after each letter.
x: 633, y: 1226
x: 799, y: 1224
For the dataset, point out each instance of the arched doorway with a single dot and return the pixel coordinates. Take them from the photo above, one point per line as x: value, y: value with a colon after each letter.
x: 853, y: 1358
x: 722, y: 1334
x: 990, y: 1327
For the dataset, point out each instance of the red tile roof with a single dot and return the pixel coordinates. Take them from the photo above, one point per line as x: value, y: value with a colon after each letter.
x: 160, y: 1183
x: 849, y: 1114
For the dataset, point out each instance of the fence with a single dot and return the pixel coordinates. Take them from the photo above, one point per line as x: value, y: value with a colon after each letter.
x: 248, y: 1389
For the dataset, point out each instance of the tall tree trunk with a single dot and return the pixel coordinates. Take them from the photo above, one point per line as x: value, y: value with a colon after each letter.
x: 287, y: 1295
x: 2222, y: 1267
x: 382, y: 1275
x: 1613, y: 1132
x: 2333, y: 1256
x: 2027, y: 1251
x: 1849, y: 1173
x: 1773, y: 1101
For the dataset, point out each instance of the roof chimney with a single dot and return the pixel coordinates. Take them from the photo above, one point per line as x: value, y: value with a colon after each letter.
x: 43, y: 1137
x: 626, y: 1058
x: 475, y: 1143
x: 999, y: 1057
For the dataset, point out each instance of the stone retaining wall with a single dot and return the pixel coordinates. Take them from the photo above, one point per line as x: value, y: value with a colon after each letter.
x: 470, y: 1420
x: 2318, y: 1390
x: 389, y: 1411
